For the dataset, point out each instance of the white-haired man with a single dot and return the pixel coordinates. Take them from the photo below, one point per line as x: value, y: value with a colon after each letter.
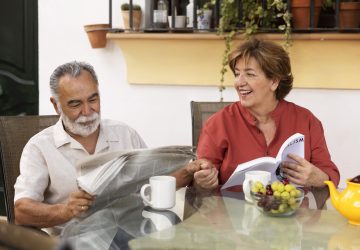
x: 46, y: 194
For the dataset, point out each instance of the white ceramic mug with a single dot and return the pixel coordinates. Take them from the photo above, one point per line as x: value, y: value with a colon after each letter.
x: 180, y: 21
x: 251, y: 177
x: 162, y: 192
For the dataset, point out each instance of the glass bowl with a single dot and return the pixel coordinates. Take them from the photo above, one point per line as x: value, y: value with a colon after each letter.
x: 277, y: 206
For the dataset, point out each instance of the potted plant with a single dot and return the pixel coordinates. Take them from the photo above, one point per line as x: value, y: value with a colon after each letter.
x: 97, y: 34
x: 274, y: 15
x: 204, y: 14
x: 349, y: 14
x: 136, y: 14
x: 300, y: 10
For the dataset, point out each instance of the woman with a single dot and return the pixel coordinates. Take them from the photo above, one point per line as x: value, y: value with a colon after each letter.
x: 261, y: 121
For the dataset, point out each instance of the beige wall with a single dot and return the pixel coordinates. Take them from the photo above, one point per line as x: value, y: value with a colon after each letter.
x: 318, y: 61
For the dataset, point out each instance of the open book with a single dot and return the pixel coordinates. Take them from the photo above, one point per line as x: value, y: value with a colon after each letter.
x: 294, y: 145
x: 127, y: 171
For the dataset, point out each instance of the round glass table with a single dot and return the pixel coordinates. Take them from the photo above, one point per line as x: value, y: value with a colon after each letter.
x: 218, y: 220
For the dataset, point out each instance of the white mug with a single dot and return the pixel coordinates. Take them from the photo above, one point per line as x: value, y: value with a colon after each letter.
x: 180, y: 21
x: 251, y: 177
x: 162, y: 192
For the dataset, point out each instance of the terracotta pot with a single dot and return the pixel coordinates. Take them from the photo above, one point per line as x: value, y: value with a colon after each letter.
x: 97, y: 34
x: 349, y: 15
x: 300, y: 10
x: 136, y: 19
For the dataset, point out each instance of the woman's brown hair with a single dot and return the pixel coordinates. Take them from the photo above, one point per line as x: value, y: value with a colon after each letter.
x: 272, y: 58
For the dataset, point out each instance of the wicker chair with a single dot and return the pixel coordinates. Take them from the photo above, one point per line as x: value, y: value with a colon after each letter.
x: 15, y: 131
x: 200, y: 112
x: 21, y: 238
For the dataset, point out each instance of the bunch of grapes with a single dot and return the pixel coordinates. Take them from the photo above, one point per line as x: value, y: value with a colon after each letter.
x: 277, y: 197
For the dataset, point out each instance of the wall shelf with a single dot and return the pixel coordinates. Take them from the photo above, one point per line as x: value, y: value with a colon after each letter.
x: 319, y: 60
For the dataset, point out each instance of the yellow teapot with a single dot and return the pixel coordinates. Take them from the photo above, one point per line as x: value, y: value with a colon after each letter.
x: 347, y: 202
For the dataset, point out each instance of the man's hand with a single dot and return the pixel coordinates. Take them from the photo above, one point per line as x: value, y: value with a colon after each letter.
x: 38, y: 214
x: 78, y: 202
x: 205, y: 175
x: 303, y: 172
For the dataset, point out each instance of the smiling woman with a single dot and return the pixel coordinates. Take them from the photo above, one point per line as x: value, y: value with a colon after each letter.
x: 262, y: 120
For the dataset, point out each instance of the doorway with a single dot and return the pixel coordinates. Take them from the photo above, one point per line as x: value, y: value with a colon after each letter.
x: 18, y: 62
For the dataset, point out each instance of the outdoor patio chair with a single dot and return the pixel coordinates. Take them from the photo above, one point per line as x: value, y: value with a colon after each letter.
x: 15, y: 131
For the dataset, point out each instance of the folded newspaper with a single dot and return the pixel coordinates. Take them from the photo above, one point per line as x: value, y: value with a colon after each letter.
x: 126, y: 171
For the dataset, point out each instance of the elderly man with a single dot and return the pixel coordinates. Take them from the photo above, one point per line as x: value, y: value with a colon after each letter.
x: 46, y: 194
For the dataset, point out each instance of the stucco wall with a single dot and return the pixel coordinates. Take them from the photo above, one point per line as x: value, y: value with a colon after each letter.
x: 161, y: 114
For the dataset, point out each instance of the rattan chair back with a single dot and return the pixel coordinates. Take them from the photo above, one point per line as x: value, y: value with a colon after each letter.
x: 200, y: 112
x: 15, y: 131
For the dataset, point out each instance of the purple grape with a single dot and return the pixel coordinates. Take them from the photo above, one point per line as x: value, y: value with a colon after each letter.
x: 356, y: 179
x: 285, y: 181
x: 269, y: 192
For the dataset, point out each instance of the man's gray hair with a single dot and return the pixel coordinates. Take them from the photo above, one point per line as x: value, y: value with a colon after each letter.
x: 72, y: 69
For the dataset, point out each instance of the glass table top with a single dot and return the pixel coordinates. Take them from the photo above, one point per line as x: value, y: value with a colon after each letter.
x: 217, y: 220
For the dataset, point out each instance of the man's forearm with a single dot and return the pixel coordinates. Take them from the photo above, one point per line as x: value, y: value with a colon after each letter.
x: 183, y: 177
x: 32, y: 213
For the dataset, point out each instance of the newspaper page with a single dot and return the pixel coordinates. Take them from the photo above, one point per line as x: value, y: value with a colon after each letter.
x: 125, y: 172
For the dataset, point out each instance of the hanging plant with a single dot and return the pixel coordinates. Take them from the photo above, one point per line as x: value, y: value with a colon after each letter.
x: 255, y: 17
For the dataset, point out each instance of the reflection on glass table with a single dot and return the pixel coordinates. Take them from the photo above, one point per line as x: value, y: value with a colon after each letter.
x: 218, y: 220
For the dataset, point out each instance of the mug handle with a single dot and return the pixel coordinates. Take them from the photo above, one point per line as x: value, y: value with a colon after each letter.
x: 246, y: 189
x: 143, y: 196
x: 143, y: 225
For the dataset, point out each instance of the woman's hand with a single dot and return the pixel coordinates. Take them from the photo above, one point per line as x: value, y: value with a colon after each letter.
x: 206, y: 176
x: 302, y: 172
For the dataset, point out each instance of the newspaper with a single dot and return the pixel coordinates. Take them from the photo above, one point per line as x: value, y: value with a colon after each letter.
x: 126, y: 171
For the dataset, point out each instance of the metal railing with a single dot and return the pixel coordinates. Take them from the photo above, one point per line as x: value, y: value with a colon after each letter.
x: 334, y: 27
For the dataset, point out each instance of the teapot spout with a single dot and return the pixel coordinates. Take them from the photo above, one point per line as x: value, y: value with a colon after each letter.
x: 334, y: 194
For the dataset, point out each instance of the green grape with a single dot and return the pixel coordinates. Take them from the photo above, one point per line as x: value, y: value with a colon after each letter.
x: 274, y: 211
x: 277, y: 194
x: 283, y: 207
x: 292, y: 201
x: 285, y: 195
x: 274, y: 185
x: 289, y: 187
x: 280, y: 187
x: 293, y: 193
x: 258, y: 184
x: 294, y: 206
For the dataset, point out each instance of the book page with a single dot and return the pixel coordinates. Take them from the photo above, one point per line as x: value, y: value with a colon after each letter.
x: 294, y: 145
x: 238, y: 176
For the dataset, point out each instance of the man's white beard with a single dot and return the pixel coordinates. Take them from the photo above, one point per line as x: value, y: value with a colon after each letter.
x: 77, y: 127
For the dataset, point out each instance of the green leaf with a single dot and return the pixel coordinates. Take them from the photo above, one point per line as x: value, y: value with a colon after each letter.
x: 282, y: 27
